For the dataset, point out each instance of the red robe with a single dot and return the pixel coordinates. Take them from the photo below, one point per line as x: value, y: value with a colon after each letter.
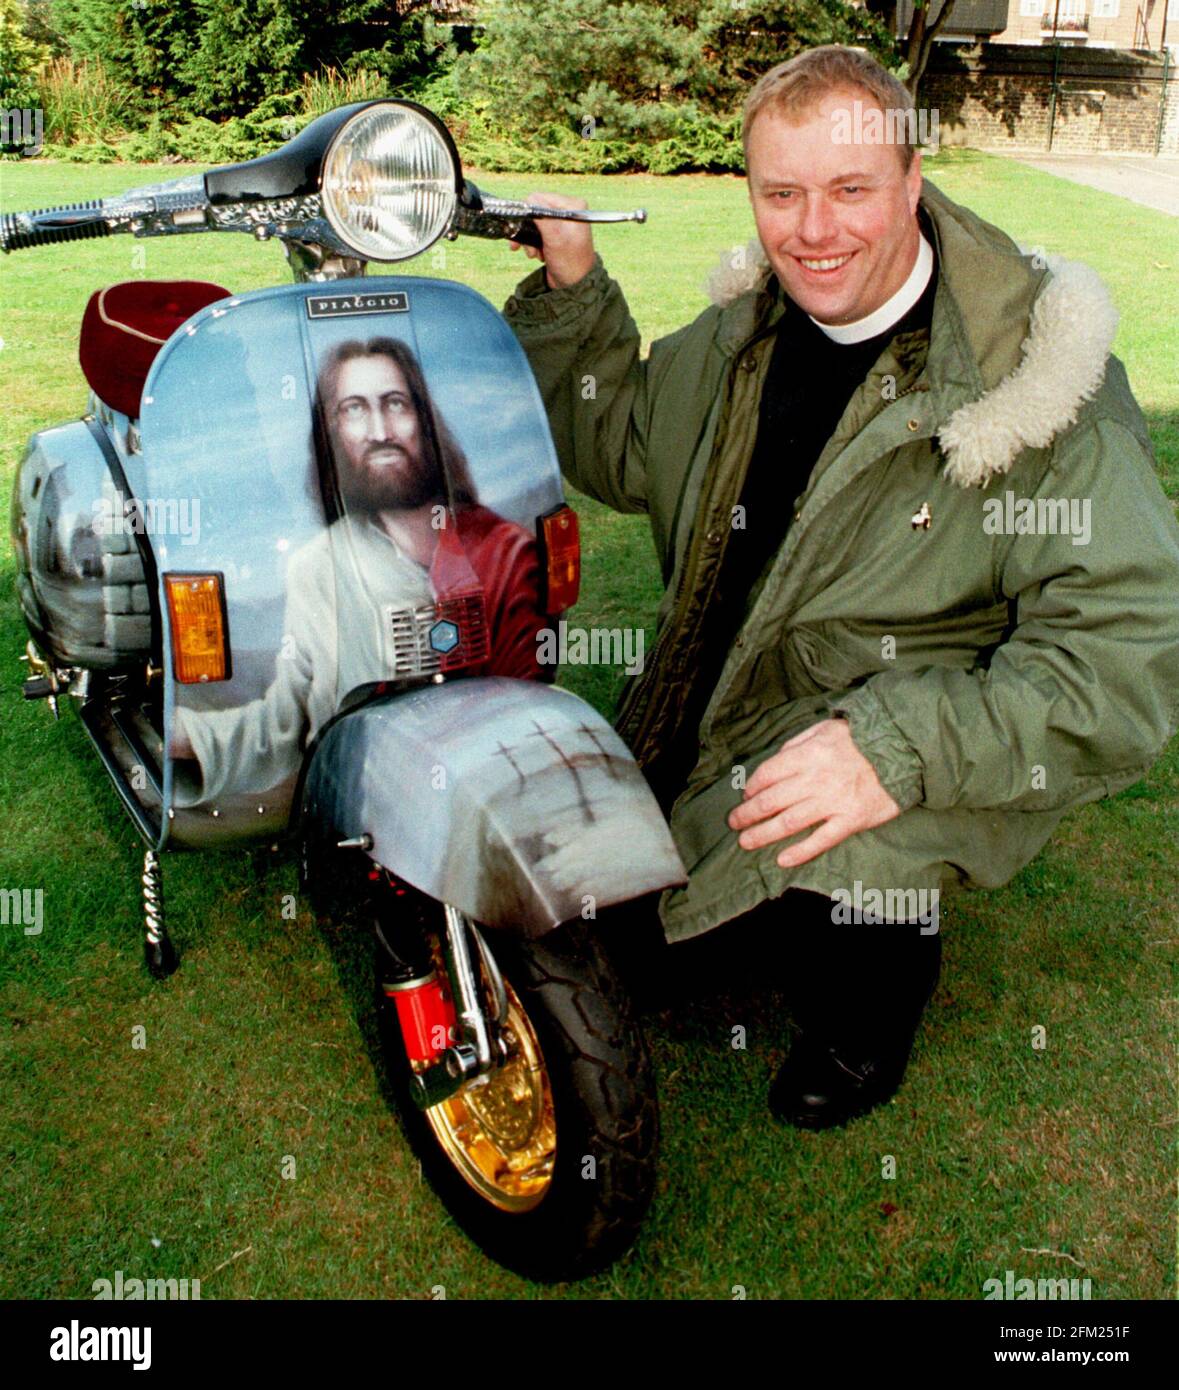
x: 505, y: 559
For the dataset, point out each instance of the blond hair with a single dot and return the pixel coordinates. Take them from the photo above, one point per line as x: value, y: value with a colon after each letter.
x: 794, y: 87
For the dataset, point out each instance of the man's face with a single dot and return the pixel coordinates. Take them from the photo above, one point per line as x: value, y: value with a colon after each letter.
x: 837, y: 221
x: 378, y: 438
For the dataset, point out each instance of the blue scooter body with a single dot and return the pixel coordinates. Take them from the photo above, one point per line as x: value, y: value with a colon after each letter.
x: 226, y: 480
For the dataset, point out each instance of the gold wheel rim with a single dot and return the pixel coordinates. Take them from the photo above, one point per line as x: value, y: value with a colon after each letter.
x: 499, y: 1130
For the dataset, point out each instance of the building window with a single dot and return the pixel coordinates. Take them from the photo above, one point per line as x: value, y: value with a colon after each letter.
x: 1033, y: 8
x: 1105, y: 9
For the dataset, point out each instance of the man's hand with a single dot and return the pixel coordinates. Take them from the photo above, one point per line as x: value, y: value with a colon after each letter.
x: 568, y: 247
x: 818, y: 776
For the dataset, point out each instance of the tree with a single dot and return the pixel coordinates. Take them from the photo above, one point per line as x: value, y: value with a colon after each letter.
x: 244, y: 56
x: 220, y: 58
x: 21, y: 54
x: 42, y: 26
x: 745, y: 38
x: 141, y: 44
x: 592, y: 61
x: 917, y: 45
x: 636, y: 66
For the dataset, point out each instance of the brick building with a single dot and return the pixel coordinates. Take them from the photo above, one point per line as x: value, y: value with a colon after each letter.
x: 1032, y: 97
x: 1131, y: 24
x: 1082, y: 75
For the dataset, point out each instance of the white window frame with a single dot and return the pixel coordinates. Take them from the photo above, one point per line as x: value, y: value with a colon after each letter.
x: 1105, y: 9
x: 1031, y: 9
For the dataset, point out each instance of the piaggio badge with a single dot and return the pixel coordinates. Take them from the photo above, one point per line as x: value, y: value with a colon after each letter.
x: 332, y: 306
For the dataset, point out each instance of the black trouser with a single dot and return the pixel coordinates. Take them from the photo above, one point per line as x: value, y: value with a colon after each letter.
x: 855, y: 983
x: 852, y: 983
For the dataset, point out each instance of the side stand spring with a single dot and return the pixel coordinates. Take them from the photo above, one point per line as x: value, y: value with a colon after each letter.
x: 158, y: 951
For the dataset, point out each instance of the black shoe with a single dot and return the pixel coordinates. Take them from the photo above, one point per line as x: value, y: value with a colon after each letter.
x: 823, y: 1084
x: 859, y: 1019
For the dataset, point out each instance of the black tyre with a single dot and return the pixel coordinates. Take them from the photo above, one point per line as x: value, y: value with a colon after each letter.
x: 549, y: 1165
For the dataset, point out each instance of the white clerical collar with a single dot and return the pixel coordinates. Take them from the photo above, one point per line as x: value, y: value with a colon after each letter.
x: 892, y: 310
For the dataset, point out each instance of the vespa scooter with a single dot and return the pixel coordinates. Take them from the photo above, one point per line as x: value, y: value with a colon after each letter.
x: 290, y: 567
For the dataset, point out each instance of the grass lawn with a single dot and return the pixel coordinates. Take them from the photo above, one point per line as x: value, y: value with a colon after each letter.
x: 166, y: 1161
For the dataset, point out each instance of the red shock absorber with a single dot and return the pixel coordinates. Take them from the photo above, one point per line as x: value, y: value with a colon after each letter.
x: 425, y: 1010
x: 426, y: 1015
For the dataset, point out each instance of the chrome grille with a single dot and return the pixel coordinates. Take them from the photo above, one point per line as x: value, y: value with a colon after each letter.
x: 413, y: 654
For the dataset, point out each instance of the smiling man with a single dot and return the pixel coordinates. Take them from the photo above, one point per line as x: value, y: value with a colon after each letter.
x: 838, y: 222
x: 864, y: 693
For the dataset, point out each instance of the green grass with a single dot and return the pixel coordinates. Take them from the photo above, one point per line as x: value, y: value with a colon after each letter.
x: 260, y: 1047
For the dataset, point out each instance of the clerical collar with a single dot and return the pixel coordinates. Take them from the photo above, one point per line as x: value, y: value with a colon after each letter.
x: 892, y: 310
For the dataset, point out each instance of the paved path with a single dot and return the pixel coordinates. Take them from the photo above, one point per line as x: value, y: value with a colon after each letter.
x: 1140, y: 177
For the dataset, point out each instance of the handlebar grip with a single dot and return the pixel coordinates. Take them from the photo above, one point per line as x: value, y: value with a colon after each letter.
x: 19, y: 230
x: 528, y: 234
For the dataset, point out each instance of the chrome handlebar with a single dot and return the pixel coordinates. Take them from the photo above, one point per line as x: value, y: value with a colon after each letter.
x: 182, y: 205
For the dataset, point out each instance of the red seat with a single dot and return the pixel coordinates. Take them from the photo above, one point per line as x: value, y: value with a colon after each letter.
x: 125, y: 325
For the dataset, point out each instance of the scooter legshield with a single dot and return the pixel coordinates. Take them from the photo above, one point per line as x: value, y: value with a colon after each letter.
x: 314, y: 604
x: 511, y: 800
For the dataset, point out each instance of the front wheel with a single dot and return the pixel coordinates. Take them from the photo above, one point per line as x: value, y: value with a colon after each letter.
x: 548, y: 1163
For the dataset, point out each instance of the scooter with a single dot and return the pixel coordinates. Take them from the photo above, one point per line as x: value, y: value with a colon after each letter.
x: 291, y: 567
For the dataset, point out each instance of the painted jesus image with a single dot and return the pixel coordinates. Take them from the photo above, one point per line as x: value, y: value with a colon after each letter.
x: 406, y: 531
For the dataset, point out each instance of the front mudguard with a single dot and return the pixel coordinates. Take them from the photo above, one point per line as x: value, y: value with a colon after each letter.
x: 511, y: 800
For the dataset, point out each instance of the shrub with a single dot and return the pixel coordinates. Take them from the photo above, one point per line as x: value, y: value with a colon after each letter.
x: 325, y: 90
x: 663, y: 73
x: 82, y: 101
x: 20, y: 57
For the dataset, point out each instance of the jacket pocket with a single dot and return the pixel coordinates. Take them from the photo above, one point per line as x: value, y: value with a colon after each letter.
x: 813, y: 664
x: 840, y: 654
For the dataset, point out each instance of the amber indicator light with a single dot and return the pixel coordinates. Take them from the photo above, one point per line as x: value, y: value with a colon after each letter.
x: 196, y: 606
x: 560, y: 539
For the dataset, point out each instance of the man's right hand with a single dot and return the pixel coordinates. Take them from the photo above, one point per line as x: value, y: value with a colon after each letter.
x: 568, y: 247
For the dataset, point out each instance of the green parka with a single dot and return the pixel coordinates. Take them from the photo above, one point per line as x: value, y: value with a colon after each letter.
x: 996, y: 666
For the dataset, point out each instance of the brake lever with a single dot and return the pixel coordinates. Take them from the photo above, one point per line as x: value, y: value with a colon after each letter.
x: 481, y: 215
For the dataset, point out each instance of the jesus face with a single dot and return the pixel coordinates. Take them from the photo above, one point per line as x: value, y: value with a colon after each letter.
x: 377, y: 435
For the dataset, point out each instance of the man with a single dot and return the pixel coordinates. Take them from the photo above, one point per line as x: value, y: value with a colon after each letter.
x: 410, y: 533
x: 869, y: 686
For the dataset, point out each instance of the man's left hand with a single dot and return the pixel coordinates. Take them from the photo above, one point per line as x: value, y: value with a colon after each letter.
x: 819, y: 776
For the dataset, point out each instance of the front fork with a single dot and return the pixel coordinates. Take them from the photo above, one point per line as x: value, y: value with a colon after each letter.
x: 451, y: 1037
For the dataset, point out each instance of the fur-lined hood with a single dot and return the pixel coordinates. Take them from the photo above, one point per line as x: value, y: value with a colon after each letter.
x: 1063, y: 355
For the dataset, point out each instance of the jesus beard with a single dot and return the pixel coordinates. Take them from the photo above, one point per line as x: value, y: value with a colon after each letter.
x: 399, y: 485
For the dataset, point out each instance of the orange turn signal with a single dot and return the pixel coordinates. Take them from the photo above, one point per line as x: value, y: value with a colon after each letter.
x: 196, y: 607
x: 560, y: 540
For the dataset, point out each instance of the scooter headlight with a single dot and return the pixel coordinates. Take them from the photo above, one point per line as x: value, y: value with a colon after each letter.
x: 391, y: 181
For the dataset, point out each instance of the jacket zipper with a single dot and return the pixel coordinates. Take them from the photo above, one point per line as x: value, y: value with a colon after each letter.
x: 635, y: 740
x: 674, y: 618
